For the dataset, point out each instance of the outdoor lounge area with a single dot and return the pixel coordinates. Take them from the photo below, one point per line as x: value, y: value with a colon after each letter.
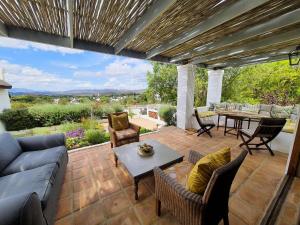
x: 96, y: 192
x: 106, y: 184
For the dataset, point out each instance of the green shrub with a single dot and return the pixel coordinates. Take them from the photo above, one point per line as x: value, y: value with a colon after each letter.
x: 17, y: 119
x: 144, y: 130
x: 49, y: 115
x: 94, y: 136
x: 69, y: 126
x: 107, y: 109
x: 73, y: 143
x: 88, y: 124
x: 167, y: 113
x: 117, y: 107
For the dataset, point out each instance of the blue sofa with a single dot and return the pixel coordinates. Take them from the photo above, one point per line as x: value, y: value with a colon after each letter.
x: 32, y: 171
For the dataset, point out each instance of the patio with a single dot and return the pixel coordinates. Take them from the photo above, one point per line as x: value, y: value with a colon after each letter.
x: 96, y: 192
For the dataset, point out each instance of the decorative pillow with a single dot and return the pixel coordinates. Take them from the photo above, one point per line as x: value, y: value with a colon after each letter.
x: 120, y: 122
x: 204, y: 168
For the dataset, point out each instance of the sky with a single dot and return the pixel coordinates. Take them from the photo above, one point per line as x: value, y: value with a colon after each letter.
x: 43, y: 67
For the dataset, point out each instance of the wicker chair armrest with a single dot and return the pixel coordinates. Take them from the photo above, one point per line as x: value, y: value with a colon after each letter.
x: 167, y: 188
x: 194, y: 156
x: 135, y: 127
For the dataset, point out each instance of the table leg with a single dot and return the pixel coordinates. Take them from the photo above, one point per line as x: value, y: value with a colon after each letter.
x: 116, y: 160
x: 136, y: 188
x: 218, y: 122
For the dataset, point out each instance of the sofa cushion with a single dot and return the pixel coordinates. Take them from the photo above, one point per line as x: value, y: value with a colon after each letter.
x: 34, y: 159
x: 204, y: 168
x: 39, y: 180
x: 125, y: 134
x: 120, y: 122
x: 180, y: 172
x: 9, y: 149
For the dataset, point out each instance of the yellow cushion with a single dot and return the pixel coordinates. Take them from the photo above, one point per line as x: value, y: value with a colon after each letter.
x: 206, y: 114
x: 289, y: 126
x: 120, y: 122
x: 204, y: 168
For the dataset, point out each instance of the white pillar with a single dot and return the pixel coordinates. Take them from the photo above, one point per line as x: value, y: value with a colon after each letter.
x: 185, y: 95
x: 4, y: 96
x: 214, y: 89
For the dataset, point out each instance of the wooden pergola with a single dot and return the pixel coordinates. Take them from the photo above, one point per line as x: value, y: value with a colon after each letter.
x: 209, y: 33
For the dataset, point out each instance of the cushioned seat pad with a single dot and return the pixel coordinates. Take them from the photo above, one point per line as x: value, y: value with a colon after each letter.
x: 37, y: 180
x: 34, y: 159
x: 127, y: 133
x: 180, y: 172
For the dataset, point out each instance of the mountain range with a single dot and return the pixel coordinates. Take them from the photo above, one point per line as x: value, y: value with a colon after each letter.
x: 82, y: 92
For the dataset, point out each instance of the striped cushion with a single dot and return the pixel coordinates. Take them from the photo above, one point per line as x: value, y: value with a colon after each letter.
x: 204, y: 168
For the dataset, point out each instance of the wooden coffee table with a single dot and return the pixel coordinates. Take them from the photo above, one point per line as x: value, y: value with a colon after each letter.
x: 140, y: 167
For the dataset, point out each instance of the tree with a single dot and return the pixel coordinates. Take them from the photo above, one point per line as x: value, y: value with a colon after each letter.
x: 201, y: 81
x: 269, y: 83
x: 162, y: 83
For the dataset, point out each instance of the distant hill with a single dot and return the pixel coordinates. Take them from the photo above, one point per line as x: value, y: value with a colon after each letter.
x: 83, y: 92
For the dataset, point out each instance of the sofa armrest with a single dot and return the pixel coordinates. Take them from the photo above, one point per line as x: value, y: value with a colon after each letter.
x: 135, y: 127
x: 23, y: 209
x: 113, y: 136
x: 41, y: 142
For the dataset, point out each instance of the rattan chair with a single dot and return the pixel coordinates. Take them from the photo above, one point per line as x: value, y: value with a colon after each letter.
x: 267, y: 130
x: 194, y: 209
x: 205, y: 124
x: 122, y: 137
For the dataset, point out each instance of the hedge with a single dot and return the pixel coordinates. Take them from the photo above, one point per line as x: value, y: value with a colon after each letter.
x: 50, y: 115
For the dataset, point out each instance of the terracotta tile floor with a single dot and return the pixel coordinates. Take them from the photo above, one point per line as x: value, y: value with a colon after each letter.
x: 95, y: 192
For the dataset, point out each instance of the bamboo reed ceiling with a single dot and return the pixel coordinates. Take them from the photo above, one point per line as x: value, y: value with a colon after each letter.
x: 182, y: 16
x: 256, y: 16
x: 130, y: 26
x: 41, y: 15
x: 106, y: 21
x: 256, y: 52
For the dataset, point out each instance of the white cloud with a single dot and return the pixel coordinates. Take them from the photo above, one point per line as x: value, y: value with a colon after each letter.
x: 20, y: 44
x: 85, y: 74
x: 124, y: 67
x: 125, y: 73
x: 28, y: 77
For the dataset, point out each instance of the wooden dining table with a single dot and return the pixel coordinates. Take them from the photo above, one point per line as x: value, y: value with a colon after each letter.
x: 239, y: 117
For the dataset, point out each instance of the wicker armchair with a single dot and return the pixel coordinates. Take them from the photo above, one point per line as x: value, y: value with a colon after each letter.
x: 193, y: 209
x: 122, y: 137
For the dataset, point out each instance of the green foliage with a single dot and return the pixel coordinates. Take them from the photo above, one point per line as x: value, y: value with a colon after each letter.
x: 90, y: 124
x: 17, y: 119
x: 201, y: 82
x: 270, y: 83
x: 166, y: 112
x: 94, y: 136
x: 144, y: 130
x: 116, y: 107
x: 72, y: 143
x: 69, y: 126
x: 162, y: 83
x: 49, y: 115
x: 20, y: 105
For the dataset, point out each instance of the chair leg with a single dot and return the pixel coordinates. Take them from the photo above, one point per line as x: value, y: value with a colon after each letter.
x: 246, y: 144
x: 208, y: 132
x: 268, y: 147
x: 226, y: 219
x: 158, y: 207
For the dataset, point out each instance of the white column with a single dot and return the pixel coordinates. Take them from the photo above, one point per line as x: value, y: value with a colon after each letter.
x: 185, y: 95
x: 4, y: 96
x: 214, y: 89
